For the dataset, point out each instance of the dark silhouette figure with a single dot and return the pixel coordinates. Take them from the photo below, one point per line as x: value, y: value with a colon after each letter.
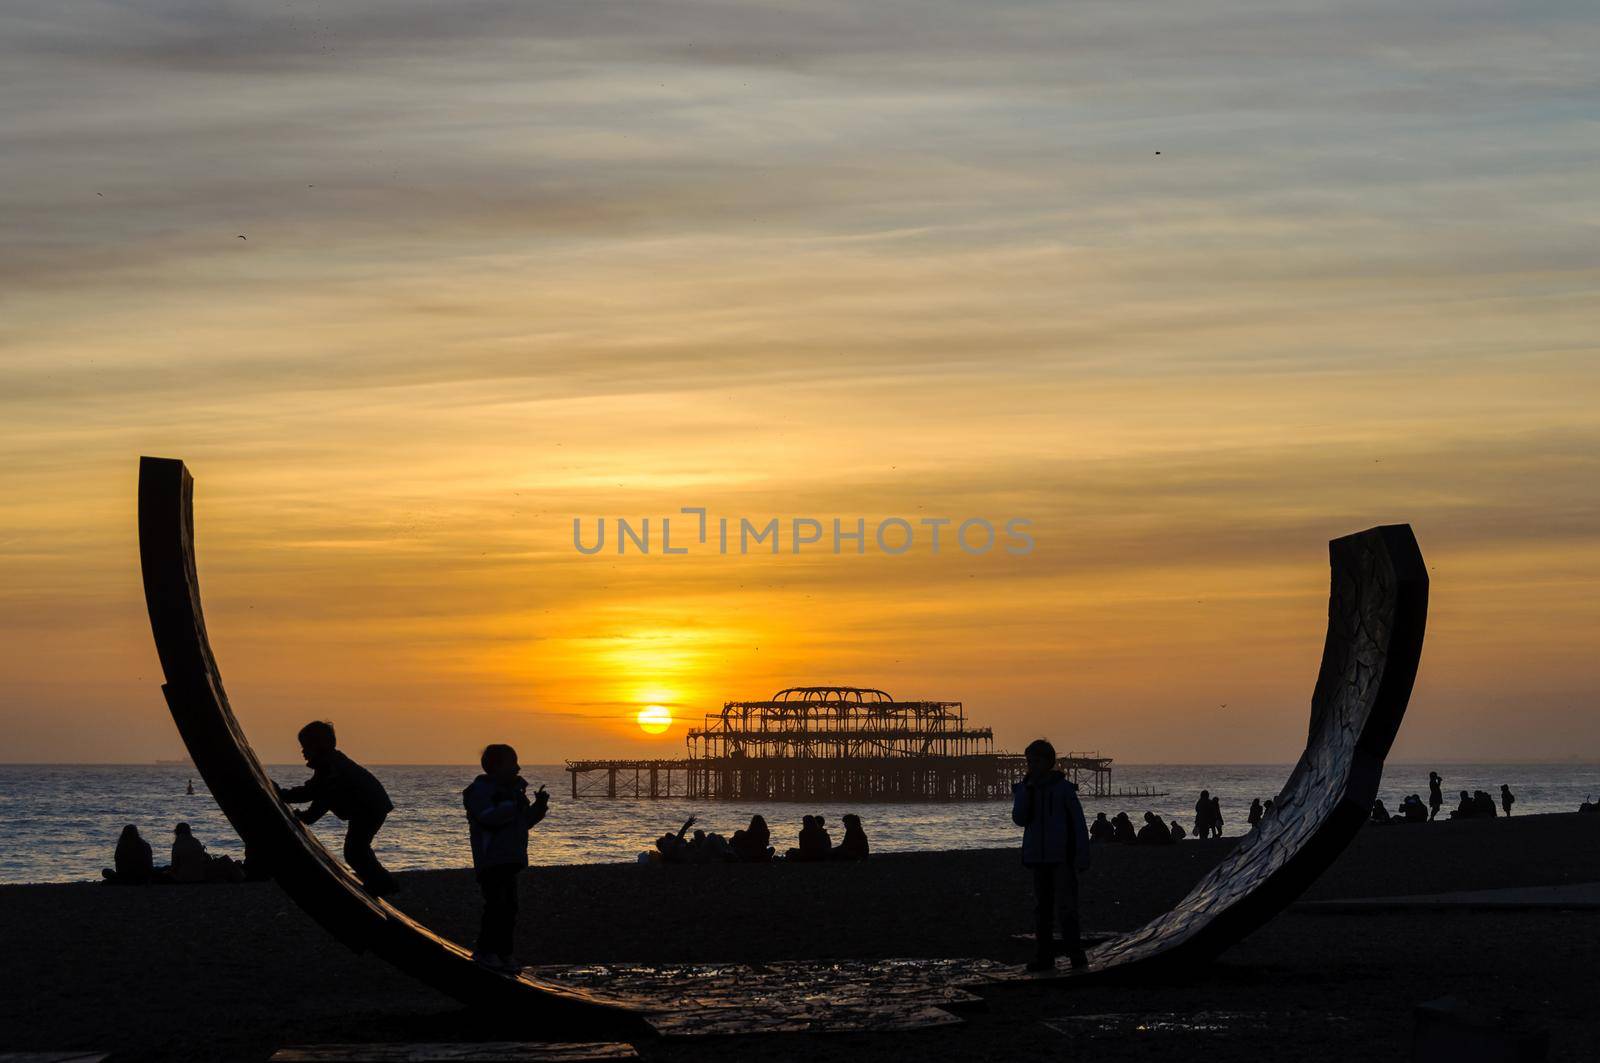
x: 1507, y: 798
x: 1101, y: 829
x: 353, y: 794
x: 1055, y: 846
x: 1266, y: 809
x: 189, y: 858
x: 815, y: 842
x: 1202, y: 815
x: 672, y: 848
x: 1154, y: 832
x: 190, y: 791
x: 1412, y: 810
x: 753, y: 845
x: 499, y: 816
x: 133, y: 862
x: 1255, y: 814
x: 1379, y: 813
x: 1177, y: 832
x: 1435, y: 794
x: 1216, y: 817
x: 1122, y: 829
x: 854, y: 844
x: 1483, y: 803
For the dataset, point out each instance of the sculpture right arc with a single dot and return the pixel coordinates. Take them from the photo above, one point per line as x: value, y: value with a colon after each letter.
x: 1377, y: 611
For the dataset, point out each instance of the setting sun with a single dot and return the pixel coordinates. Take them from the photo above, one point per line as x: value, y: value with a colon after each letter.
x: 654, y: 719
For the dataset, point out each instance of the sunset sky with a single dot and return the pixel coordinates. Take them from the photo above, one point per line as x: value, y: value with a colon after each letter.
x: 1193, y: 286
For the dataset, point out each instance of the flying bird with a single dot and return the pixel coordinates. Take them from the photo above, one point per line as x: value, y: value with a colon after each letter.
x: 243, y: 237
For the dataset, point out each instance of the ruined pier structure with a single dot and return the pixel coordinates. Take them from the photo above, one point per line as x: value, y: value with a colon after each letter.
x: 831, y: 743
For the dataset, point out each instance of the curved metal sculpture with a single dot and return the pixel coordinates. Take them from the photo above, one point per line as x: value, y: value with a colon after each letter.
x: 1377, y: 611
x: 1376, y: 615
x: 313, y: 879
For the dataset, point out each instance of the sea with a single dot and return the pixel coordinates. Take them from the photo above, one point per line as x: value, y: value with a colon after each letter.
x: 59, y: 823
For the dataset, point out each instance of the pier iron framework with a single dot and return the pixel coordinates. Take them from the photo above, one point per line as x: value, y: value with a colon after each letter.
x: 831, y: 743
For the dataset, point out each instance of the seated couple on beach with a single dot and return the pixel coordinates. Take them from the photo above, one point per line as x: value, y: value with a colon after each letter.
x: 816, y: 845
x: 135, y: 862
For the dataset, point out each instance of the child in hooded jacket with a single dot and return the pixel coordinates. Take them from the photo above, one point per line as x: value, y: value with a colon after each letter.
x: 499, y: 816
x: 1055, y: 847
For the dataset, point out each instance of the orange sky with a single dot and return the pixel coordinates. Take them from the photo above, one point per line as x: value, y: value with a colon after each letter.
x: 525, y: 268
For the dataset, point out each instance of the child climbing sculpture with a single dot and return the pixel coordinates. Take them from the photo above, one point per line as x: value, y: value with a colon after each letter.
x: 352, y: 793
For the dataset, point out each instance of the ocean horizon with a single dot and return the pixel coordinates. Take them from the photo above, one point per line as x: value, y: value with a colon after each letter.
x: 59, y: 822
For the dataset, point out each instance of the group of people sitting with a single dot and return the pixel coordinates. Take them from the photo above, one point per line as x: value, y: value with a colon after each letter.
x: 1119, y: 829
x: 752, y: 844
x: 1477, y: 805
x: 135, y: 861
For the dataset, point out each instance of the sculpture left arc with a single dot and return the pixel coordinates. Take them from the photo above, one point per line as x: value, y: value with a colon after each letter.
x: 311, y: 877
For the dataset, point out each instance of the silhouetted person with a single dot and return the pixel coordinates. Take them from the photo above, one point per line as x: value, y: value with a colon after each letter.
x: 1055, y: 846
x: 1202, y: 815
x: 1154, y: 832
x: 815, y: 842
x: 1122, y: 829
x: 1507, y: 798
x: 1266, y: 809
x: 672, y: 847
x: 1412, y: 809
x: 1435, y: 794
x: 1379, y: 813
x: 1216, y: 816
x: 190, y: 791
x: 353, y: 794
x: 1177, y: 832
x: 133, y: 862
x: 1483, y: 804
x: 853, y: 846
x: 499, y: 816
x: 753, y: 844
x: 189, y: 859
x: 1101, y: 829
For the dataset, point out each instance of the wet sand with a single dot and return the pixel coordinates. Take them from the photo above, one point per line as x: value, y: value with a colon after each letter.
x: 234, y: 972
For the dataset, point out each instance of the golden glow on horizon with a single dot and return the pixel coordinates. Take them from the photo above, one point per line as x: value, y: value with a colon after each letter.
x: 654, y: 719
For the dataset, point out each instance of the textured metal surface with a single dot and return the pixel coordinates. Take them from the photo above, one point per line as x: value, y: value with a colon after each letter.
x: 1377, y: 611
x: 317, y: 882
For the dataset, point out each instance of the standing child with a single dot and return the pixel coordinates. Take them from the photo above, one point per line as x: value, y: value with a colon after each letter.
x: 351, y: 792
x: 1055, y: 845
x: 499, y: 816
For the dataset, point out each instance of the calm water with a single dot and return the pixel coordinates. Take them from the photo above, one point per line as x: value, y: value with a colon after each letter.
x: 59, y: 823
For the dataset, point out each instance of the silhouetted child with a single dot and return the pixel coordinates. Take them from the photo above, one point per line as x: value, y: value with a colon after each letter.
x: 353, y: 794
x: 1435, y: 794
x: 1055, y: 847
x: 854, y: 845
x: 1216, y: 816
x: 499, y: 816
x: 1507, y: 798
x: 1177, y: 831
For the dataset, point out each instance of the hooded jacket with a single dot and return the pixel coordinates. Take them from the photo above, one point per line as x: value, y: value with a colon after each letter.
x: 499, y: 817
x: 1052, y: 821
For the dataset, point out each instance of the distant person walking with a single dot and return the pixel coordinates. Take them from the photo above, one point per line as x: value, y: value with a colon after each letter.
x: 1435, y: 794
x: 1507, y: 798
x: 1202, y: 815
x: 499, y: 816
x: 1216, y: 816
x: 1055, y: 847
x: 353, y: 794
x: 1256, y: 812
